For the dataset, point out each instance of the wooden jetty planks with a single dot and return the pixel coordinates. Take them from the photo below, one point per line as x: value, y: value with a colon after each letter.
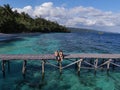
x: 93, y: 56
x: 26, y: 57
x: 52, y: 57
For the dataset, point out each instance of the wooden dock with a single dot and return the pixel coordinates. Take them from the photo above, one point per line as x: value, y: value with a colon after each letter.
x: 78, y: 59
x: 52, y: 57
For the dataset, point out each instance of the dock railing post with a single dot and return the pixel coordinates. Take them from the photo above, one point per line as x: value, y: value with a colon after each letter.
x: 24, y: 68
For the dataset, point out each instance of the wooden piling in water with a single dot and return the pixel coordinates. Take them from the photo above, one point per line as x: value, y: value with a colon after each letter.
x: 108, y: 65
x: 24, y: 68
x: 79, y: 65
x: 43, y: 67
x: 95, y: 65
x: 3, y: 68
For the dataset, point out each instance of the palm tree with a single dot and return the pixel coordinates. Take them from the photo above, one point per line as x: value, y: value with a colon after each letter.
x: 8, y: 10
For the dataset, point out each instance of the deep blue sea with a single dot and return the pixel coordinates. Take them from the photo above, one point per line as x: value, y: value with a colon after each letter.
x: 53, y: 80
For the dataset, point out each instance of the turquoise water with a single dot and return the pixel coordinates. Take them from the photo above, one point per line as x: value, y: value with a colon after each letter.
x: 53, y: 80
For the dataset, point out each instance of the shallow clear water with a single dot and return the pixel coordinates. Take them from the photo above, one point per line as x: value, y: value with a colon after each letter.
x: 53, y: 80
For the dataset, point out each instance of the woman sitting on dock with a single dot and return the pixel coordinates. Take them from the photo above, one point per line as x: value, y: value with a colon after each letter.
x: 61, y: 56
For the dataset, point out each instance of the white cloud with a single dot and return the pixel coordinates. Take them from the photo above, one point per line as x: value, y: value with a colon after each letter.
x: 43, y: 10
x: 27, y: 9
x: 75, y: 17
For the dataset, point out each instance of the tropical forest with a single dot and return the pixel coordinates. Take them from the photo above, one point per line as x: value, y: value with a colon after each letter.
x: 14, y: 22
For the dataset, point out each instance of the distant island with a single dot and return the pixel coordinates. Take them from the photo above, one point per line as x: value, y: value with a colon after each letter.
x: 14, y: 22
x: 84, y: 30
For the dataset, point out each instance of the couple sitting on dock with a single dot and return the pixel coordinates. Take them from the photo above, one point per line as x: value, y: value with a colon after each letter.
x: 59, y: 55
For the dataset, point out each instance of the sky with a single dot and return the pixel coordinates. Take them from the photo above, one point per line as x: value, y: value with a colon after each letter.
x: 103, y: 15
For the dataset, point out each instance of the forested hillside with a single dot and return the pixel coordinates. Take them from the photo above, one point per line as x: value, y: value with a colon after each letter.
x: 14, y: 22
